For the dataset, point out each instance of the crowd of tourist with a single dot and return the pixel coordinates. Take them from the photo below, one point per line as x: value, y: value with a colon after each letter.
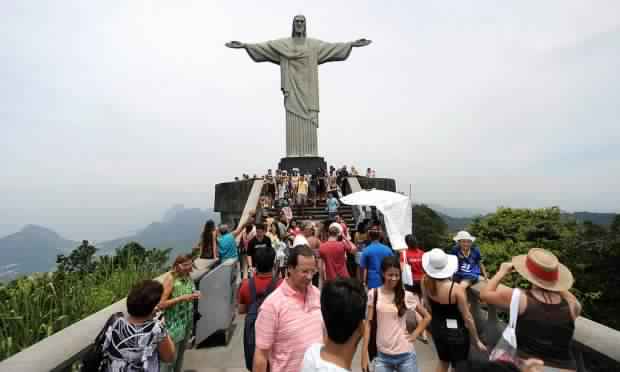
x: 314, y: 292
x: 284, y: 188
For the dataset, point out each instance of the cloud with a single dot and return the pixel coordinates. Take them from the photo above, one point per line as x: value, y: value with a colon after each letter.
x: 113, y: 111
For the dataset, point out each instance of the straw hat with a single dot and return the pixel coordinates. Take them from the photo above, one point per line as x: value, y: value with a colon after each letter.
x: 463, y: 235
x: 542, y: 268
x: 439, y: 265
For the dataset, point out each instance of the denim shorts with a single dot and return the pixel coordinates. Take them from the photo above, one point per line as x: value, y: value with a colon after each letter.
x: 405, y: 362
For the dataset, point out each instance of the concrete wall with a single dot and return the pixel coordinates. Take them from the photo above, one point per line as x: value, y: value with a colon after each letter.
x: 230, y: 199
x: 387, y: 184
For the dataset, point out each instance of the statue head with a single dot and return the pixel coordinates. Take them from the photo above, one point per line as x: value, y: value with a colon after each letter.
x: 299, y: 26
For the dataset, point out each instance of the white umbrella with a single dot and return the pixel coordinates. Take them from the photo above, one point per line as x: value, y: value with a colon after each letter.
x: 373, y: 197
x: 396, y: 210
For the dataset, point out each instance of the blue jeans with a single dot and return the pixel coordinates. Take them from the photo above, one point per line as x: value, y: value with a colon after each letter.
x: 405, y: 362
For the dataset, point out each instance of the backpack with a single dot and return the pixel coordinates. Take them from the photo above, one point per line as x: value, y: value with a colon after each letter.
x: 94, y: 360
x: 249, y: 333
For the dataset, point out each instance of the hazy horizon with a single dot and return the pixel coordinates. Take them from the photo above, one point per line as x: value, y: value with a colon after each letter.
x: 114, y: 111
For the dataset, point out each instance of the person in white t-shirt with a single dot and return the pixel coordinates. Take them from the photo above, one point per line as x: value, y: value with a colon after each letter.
x: 343, y: 306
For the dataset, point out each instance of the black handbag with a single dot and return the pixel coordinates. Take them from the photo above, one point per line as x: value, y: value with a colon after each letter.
x: 372, y: 342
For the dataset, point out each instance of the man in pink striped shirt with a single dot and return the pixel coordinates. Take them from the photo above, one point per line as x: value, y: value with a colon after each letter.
x: 290, y: 319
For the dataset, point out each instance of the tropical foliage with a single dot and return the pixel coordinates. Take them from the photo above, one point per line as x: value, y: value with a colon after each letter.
x: 35, y: 307
x: 429, y: 228
x: 592, y: 252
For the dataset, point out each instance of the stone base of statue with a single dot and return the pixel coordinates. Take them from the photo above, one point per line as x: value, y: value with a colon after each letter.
x: 305, y: 164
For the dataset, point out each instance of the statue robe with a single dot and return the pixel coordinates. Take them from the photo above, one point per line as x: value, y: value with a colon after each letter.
x: 299, y: 81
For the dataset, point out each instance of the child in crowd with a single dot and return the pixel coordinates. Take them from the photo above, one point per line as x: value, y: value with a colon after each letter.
x: 470, y: 260
x: 139, y: 340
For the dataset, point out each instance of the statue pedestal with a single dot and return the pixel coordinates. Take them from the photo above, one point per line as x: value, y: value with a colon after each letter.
x: 306, y: 164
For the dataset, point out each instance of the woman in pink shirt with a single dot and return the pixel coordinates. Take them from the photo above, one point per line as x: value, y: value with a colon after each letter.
x: 395, y: 351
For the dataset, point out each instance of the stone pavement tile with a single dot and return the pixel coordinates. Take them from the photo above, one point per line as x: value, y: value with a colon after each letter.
x: 230, y: 358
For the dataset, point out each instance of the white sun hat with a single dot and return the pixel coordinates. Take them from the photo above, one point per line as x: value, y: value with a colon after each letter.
x: 439, y: 265
x: 463, y: 235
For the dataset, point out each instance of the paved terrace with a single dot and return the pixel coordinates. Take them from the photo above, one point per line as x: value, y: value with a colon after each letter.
x: 230, y: 358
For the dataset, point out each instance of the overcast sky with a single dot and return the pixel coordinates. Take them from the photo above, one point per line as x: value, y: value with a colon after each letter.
x: 112, y: 111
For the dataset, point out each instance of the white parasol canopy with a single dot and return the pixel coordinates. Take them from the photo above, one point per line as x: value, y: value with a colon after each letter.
x: 396, y: 210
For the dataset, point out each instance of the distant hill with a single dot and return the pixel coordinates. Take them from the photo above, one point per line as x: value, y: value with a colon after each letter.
x: 179, y: 229
x: 458, y: 212
x: 604, y: 219
x: 32, y: 249
x: 461, y: 222
x: 455, y: 223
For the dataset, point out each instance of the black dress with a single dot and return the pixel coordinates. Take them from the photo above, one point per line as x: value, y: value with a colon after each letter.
x: 452, y: 343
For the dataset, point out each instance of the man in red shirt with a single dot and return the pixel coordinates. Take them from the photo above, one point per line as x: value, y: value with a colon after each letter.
x: 414, y: 259
x: 413, y: 256
x: 262, y: 279
x: 333, y: 255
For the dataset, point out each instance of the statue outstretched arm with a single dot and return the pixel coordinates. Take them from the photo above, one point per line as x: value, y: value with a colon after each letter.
x: 361, y: 42
x: 333, y: 52
x: 260, y: 52
x: 235, y: 44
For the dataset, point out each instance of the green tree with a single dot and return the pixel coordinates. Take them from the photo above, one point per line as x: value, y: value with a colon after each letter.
x: 80, y: 260
x: 135, y: 253
x: 590, y: 231
x: 593, y: 256
x: 522, y: 225
x: 430, y: 230
x: 615, y: 225
x: 590, y: 251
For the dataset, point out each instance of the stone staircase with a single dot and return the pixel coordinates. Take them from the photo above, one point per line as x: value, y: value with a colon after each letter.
x: 318, y: 214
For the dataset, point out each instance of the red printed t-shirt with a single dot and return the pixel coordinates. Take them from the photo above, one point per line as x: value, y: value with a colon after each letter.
x: 261, y: 281
x: 345, y: 230
x: 414, y: 259
x: 332, y: 252
x: 288, y: 323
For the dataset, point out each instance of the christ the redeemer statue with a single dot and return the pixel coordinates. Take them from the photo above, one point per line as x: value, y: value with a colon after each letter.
x: 299, y: 58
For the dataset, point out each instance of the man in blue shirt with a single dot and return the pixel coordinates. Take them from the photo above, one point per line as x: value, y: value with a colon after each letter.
x: 371, y: 260
x: 470, y: 260
x: 227, y: 246
x: 332, y: 207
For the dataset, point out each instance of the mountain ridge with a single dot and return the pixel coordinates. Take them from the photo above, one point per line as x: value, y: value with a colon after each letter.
x: 34, y: 248
x: 179, y: 229
x: 19, y: 257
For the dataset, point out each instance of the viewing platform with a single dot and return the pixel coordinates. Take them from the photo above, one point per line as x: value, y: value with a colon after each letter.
x: 595, y: 345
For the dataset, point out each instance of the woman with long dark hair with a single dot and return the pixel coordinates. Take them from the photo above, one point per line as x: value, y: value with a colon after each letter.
x: 206, y: 246
x: 390, y: 304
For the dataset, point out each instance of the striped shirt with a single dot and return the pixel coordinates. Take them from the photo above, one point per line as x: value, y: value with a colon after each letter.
x: 288, y: 324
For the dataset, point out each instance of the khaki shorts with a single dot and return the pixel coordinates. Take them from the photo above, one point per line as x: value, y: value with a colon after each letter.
x: 302, y: 198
